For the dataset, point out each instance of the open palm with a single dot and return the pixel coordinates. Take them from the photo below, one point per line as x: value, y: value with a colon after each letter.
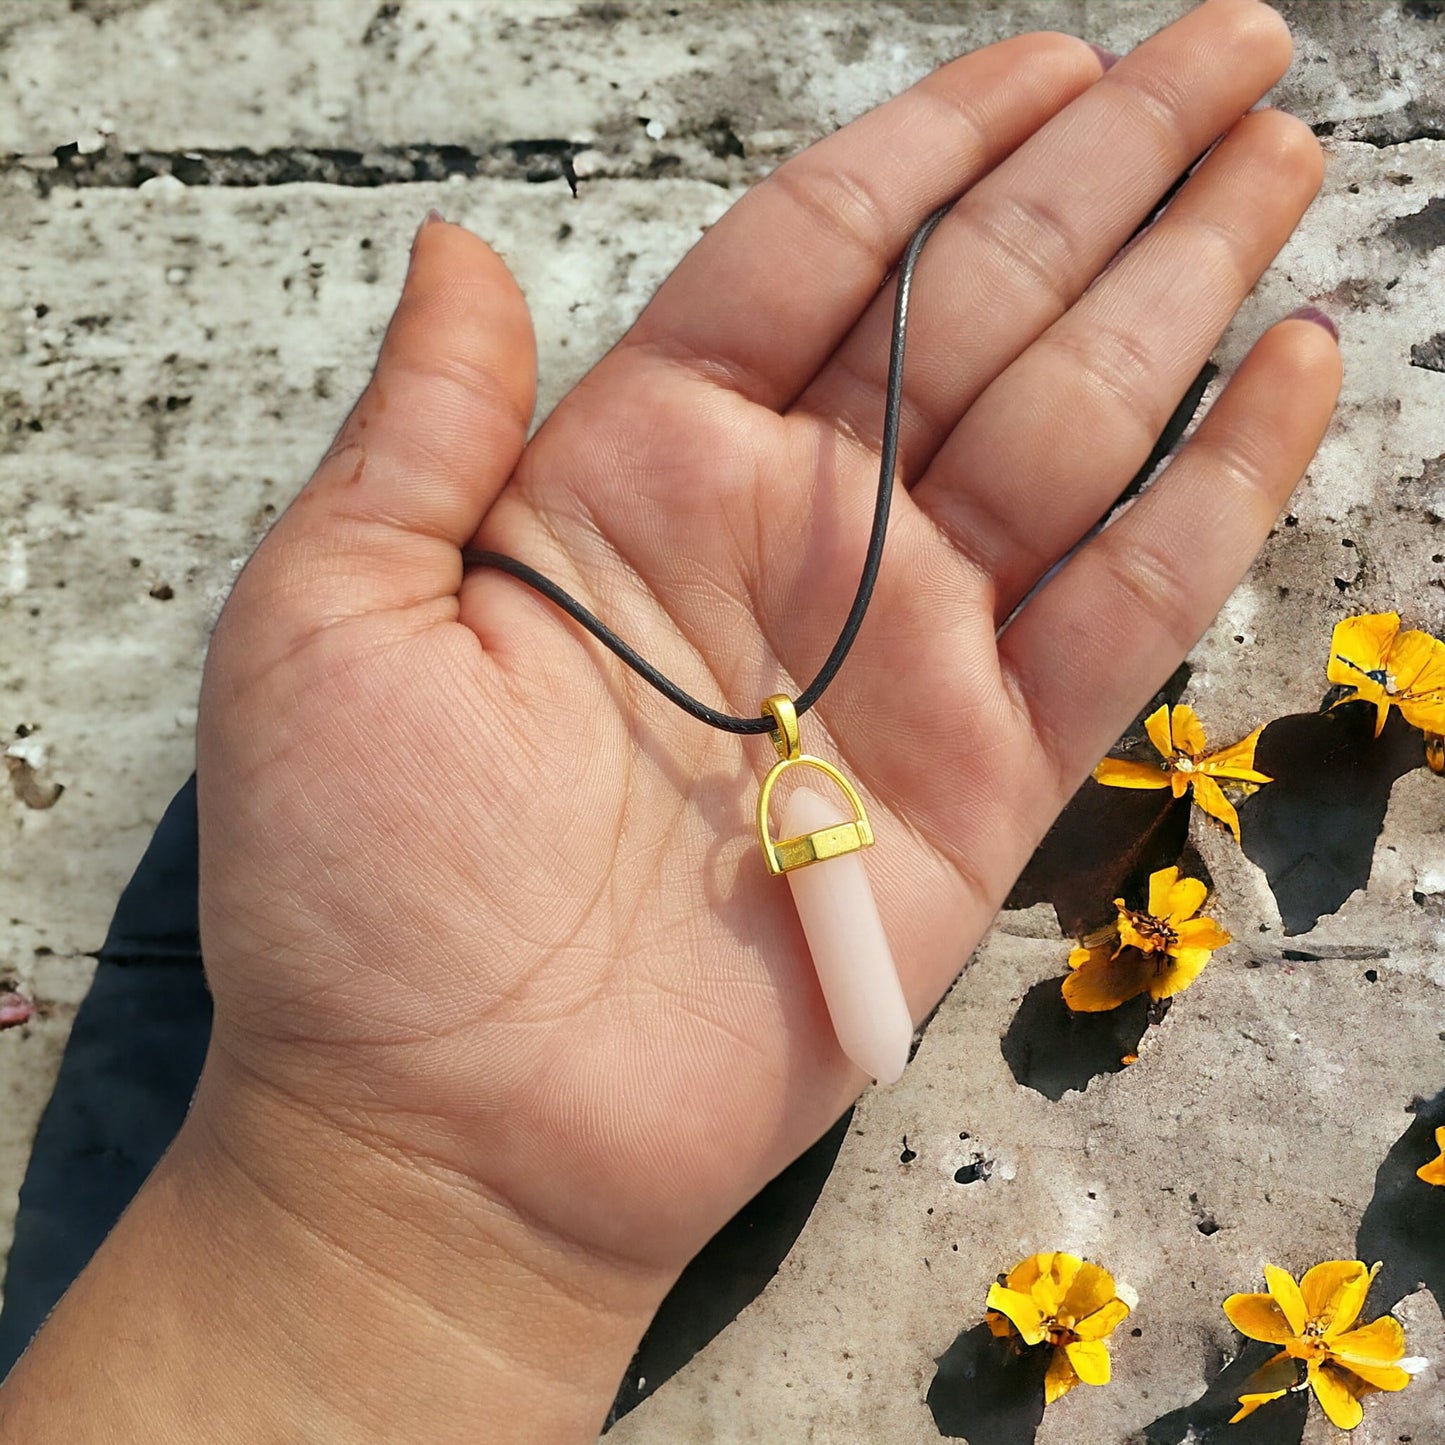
x: 473, y: 891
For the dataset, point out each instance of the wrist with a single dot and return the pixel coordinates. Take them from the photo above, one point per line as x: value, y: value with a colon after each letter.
x: 280, y: 1279
x: 521, y: 1330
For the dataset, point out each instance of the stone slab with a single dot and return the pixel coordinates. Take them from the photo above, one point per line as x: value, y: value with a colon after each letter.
x: 173, y: 358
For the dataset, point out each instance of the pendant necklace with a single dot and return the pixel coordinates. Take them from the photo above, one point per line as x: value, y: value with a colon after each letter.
x: 816, y: 848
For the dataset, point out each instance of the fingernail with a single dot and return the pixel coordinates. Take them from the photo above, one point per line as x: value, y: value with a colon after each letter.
x: 430, y: 219
x: 1313, y: 313
x: 1106, y: 57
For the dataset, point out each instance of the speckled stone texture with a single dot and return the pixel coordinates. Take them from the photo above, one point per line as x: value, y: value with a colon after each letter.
x: 204, y: 219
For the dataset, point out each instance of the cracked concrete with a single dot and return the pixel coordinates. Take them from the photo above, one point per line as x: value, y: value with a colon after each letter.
x: 206, y: 217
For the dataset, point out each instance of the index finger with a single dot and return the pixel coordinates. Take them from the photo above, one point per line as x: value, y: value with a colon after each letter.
x: 764, y: 299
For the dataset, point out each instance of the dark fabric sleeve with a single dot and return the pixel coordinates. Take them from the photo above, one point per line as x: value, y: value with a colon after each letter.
x: 125, y: 1082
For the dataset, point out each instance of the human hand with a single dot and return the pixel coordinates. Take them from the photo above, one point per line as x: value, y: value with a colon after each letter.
x: 483, y: 915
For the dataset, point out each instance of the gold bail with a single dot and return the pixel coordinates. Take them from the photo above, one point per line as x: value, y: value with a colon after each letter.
x: 784, y: 854
x: 784, y: 733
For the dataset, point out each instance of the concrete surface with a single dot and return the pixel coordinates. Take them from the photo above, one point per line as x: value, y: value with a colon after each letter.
x: 176, y: 352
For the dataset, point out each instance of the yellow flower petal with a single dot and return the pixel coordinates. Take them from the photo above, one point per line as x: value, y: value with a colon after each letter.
x: 1183, y: 900
x: 1408, y: 669
x: 1188, y: 731
x: 1103, y: 1321
x: 1090, y: 1359
x: 1236, y: 762
x: 1121, y: 773
x: 1379, y: 1377
x: 1381, y: 1342
x: 1184, y: 965
x: 999, y: 1326
x: 1107, y: 980
x: 1096, y: 954
x: 1370, y: 691
x: 1200, y: 933
x: 1417, y: 666
x: 1360, y: 645
x: 1060, y: 1378
x: 1056, y: 1278
x: 1157, y: 726
x: 1258, y: 1316
x: 1023, y: 1275
x: 1416, y: 663
x: 1334, y: 1291
x: 1092, y: 1289
x: 1161, y: 885
x: 1248, y: 1404
x: 1434, y: 1171
x: 1209, y: 798
x: 1332, y: 1389
x: 1129, y: 935
x: 1287, y: 1295
x: 1276, y: 1377
x: 1279, y: 1372
x: 1021, y: 1309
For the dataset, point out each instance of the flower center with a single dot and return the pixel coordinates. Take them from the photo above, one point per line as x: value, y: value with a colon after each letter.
x: 1183, y: 763
x: 1310, y: 1343
x: 1155, y: 934
x: 1058, y: 1334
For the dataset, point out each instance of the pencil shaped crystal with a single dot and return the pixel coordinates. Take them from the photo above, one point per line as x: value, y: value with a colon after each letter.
x: 850, y: 952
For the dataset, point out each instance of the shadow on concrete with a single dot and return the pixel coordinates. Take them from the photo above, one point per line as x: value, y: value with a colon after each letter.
x: 1107, y: 841
x: 1404, y: 1223
x: 1206, y: 1421
x: 988, y: 1393
x: 1051, y: 1049
x: 1401, y: 1226
x: 729, y: 1271
x: 1313, y: 829
x: 1104, y: 846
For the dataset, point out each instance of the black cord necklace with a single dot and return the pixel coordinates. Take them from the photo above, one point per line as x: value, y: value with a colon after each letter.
x: 839, y: 916
x: 888, y: 458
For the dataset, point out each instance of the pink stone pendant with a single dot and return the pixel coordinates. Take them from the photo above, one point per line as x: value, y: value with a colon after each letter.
x: 845, y: 936
x: 820, y: 851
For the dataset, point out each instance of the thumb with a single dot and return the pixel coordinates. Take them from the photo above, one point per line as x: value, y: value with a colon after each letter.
x: 427, y: 447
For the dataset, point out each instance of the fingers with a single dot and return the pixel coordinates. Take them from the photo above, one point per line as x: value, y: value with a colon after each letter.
x: 426, y: 449
x: 1021, y: 247
x: 764, y: 299
x: 1096, y: 642
x: 1017, y: 484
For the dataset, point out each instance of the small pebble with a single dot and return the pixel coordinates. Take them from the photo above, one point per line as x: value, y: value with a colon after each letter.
x: 14, y: 1009
x: 162, y: 188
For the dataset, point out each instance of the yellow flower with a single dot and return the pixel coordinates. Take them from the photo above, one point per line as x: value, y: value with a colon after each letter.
x: 1066, y: 1303
x: 1390, y: 668
x: 1314, y: 1321
x: 1159, y: 952
x: 1434, y: 1171
x: 1180, y: 741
